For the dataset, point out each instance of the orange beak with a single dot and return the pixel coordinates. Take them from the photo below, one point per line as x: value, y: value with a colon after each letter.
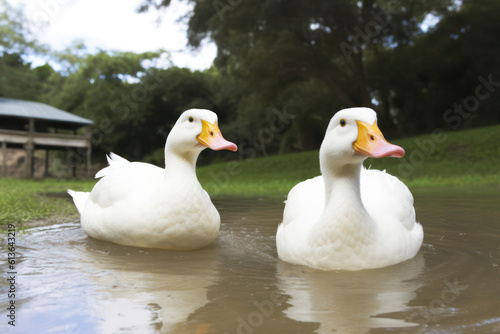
x: 371, y: 142
x: 211, y: 137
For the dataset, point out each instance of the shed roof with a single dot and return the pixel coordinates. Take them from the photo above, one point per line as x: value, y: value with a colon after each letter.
x: 37, y: 110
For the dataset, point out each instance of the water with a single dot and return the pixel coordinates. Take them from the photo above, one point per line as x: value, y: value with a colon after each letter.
x: 69, y: 283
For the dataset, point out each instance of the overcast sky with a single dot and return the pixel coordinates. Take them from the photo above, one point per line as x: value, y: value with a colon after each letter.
x: 115, y: 25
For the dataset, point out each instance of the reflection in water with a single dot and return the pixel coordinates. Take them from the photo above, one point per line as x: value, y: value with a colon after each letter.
x: 71, y: 284
x: 350, y: 302
x: 148, y: 294
x: 75, y: 284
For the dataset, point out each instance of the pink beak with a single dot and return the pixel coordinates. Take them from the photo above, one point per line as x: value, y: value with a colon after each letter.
x: 221, y: 144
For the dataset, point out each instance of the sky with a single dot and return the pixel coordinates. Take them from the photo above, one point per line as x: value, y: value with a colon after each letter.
x: 115, y: 25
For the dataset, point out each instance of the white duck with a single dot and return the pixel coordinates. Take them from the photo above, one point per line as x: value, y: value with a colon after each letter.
x: 350, y: 218
x: 138, y: 204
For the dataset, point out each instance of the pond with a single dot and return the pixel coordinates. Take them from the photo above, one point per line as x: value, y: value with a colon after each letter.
x: 70, y: 283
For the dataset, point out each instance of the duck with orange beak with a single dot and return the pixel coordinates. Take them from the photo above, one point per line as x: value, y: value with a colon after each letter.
x: 141, y: 205
x: 350, y: 218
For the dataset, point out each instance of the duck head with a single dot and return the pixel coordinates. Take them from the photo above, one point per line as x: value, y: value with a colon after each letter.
x: 195, y: 130
x: 352, y: 136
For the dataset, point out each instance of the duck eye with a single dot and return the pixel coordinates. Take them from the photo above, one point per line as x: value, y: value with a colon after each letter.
x: 191, y: 119
x: 211, y: 133
x: 372, y: 138
x: 343, y: 122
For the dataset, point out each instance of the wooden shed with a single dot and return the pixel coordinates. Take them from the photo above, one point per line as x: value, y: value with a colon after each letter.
x: 31, y: 125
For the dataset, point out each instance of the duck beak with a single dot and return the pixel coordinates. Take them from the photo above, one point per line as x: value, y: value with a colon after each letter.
x: 211, y: 137
x: 371, y: 142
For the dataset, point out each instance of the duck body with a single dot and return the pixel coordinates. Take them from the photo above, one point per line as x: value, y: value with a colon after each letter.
x: 349, y: 218
x: 151, y: 210
x: 141, y: 205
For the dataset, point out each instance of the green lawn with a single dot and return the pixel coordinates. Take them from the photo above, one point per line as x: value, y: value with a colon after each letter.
x: 460, y: 159
x: 25, y: 200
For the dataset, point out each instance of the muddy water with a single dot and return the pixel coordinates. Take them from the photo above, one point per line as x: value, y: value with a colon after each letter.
x: 69, y: 283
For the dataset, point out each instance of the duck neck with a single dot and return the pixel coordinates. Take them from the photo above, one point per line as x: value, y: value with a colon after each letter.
x: 343, y: 203
x: 180, y: 166
x: 344, y: 216
x: 342, y: 184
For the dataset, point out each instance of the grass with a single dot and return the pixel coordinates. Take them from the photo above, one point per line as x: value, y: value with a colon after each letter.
x: 460, y: 159
x: 270, y: 176
x: 27, y: 200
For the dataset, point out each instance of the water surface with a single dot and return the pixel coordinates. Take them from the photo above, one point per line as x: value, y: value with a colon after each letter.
x: 70, y: 283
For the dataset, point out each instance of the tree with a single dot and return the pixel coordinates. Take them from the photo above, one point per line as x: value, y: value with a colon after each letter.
x: 164, y: 95
x: 440, y: 71
x: 133, y: 105
x: 17, y: 80
x: 274, y: 44
x: 15, y: 33
x: 93, y: 85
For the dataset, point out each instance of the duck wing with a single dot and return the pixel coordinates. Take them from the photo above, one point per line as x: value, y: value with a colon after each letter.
x: 384, y: 195
x: 381, y: 193
x: 125, y: 180
x: 306, y: 200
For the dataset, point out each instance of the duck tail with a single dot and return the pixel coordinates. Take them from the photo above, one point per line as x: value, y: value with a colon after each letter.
x: 114, y: 160
x: 80, y: 198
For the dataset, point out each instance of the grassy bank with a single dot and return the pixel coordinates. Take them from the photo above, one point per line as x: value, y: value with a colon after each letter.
x: 463, y: 158
x: 25, y: 200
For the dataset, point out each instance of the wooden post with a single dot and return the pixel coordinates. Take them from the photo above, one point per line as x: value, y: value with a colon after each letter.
x: 4, y: 161
x: 74, y: 165
x: 46, y: 172
x: 89, y: 154
x: 29, y: 147
x: 29, y: 160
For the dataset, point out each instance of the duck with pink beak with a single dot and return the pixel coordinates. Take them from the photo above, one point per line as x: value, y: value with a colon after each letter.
x: 141, y: 205
x: 350, y: 218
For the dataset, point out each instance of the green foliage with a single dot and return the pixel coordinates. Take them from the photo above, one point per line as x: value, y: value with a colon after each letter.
x: 316, y: 57
x: 419, y: 82
x: 95, y: 86
x: 17, y: 79
x: 274, y: 44
x: 15, y: 34
x: 149, y: 108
